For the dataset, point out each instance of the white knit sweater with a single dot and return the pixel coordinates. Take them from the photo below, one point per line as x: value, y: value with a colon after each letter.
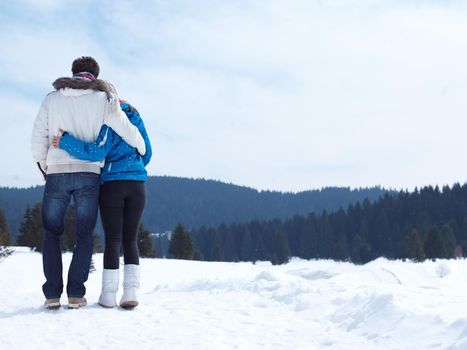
x: 81, y: 113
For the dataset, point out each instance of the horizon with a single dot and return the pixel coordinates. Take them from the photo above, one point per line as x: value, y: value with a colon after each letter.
x: 274, y: 96
x: 350, y: 188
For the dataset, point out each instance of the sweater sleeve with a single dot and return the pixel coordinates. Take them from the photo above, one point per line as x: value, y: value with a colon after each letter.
x: 40, y: 142
x: 118, y: 121
x: 95, y: 151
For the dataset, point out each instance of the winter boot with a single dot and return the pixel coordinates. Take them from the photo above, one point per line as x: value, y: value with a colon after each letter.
x: 76, y: 303
x: 52, y: 304
x: 108, y: 297
x: 130, y: 286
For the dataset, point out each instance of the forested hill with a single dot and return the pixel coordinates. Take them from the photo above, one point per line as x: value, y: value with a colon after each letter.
x: 426, y: 223
x: 198, y: 202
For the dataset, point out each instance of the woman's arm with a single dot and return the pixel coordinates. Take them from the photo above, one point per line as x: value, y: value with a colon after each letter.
x: 134, y: 115
x: 96, y: 151
x: 147, y: 156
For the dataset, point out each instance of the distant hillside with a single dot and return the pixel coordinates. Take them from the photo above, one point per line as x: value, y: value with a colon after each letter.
x: 197, y: 202
x: 429, y: 223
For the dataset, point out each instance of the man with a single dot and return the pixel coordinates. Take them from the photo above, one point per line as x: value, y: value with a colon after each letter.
x: 80, y: 105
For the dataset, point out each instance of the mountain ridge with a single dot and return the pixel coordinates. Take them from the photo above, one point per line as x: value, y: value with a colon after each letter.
x: 205, y: 202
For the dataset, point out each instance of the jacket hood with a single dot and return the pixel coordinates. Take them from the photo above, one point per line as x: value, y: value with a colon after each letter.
x: 85, y: 84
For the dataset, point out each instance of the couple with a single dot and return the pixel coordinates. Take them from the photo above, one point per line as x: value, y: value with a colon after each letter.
x: 92, y: 147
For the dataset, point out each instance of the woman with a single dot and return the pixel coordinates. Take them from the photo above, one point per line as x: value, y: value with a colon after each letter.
x: 121, y: 202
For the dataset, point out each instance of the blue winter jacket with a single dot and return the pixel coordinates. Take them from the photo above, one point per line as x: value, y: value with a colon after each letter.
x: 122, y: 162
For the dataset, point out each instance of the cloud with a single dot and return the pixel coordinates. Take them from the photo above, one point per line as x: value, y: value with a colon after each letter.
x: 286, y: 95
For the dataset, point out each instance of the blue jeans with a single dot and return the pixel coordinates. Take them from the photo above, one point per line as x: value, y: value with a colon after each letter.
x: 59, y: 189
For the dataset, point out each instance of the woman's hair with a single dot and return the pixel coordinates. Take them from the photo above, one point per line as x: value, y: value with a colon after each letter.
x: 85, y: 64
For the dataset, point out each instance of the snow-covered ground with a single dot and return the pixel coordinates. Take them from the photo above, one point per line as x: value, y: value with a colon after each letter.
x: 201, y: 305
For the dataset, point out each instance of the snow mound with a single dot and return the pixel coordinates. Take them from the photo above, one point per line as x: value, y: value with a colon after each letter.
x: 312, y: 275
x: 266, y: 276
x: 383, y: 305
x: 363, y: 310
x: 270, y: 287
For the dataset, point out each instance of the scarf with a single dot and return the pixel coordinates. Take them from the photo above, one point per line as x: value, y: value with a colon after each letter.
x: 84, y: 75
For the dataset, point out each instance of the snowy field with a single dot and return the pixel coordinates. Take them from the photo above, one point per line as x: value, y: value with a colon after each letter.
x: 200, y: 305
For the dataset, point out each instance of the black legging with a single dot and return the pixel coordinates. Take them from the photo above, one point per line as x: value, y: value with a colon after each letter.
x: 121, y: 205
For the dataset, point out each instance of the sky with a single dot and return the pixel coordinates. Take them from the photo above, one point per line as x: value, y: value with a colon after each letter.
x: 271, y: 94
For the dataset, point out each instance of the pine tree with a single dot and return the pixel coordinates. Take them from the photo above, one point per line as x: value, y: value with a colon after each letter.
x: 4, y: 237
x: 92, y: 267
x: 326, y: 237
x: 434, y: 244
x: 144, y: 243
x: 246, y: 249
x: 308, y: 238
x: 31, y: 232
x: 96, y: 246
x: 458, y: 252
x: 361, y: 251
x: 365, y: 253
x: 4, y: 232
x: 354, y: 249
x: 4, y: 252
x: 281, y: 248
x: 158, y: 250
x: 380, y: 240
x: 414, y: 246
x: 339, y: 252
x: 229, y: 245
x: 197, y: 255
x: 449, y: 241
x: 181, y: 245
x: 217, y: 253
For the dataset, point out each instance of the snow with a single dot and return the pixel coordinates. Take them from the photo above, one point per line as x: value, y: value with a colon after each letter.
x: 201, y: 305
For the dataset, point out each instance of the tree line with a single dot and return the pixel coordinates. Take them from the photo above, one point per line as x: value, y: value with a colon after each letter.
x: 426, y: 223
x: 32, y: 235
x: 197, y: 203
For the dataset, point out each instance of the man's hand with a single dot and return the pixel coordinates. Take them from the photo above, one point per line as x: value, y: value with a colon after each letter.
x: 56, y: 139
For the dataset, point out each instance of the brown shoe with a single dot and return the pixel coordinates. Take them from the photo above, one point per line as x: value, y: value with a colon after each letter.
x: 129, y: 304
x: 76, y: 303
x: 52, y: 304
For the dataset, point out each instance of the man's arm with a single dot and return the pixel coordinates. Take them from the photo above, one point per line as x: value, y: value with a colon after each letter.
x: 118, y: 121
x: 95, y: 151
x: 40, y: 142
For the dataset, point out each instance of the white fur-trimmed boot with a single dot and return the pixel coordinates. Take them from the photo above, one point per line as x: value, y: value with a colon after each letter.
x: 108, y: 297
x: 130, y: 286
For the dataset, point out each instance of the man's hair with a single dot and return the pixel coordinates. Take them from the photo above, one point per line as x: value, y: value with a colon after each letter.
x: 85, y: 64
